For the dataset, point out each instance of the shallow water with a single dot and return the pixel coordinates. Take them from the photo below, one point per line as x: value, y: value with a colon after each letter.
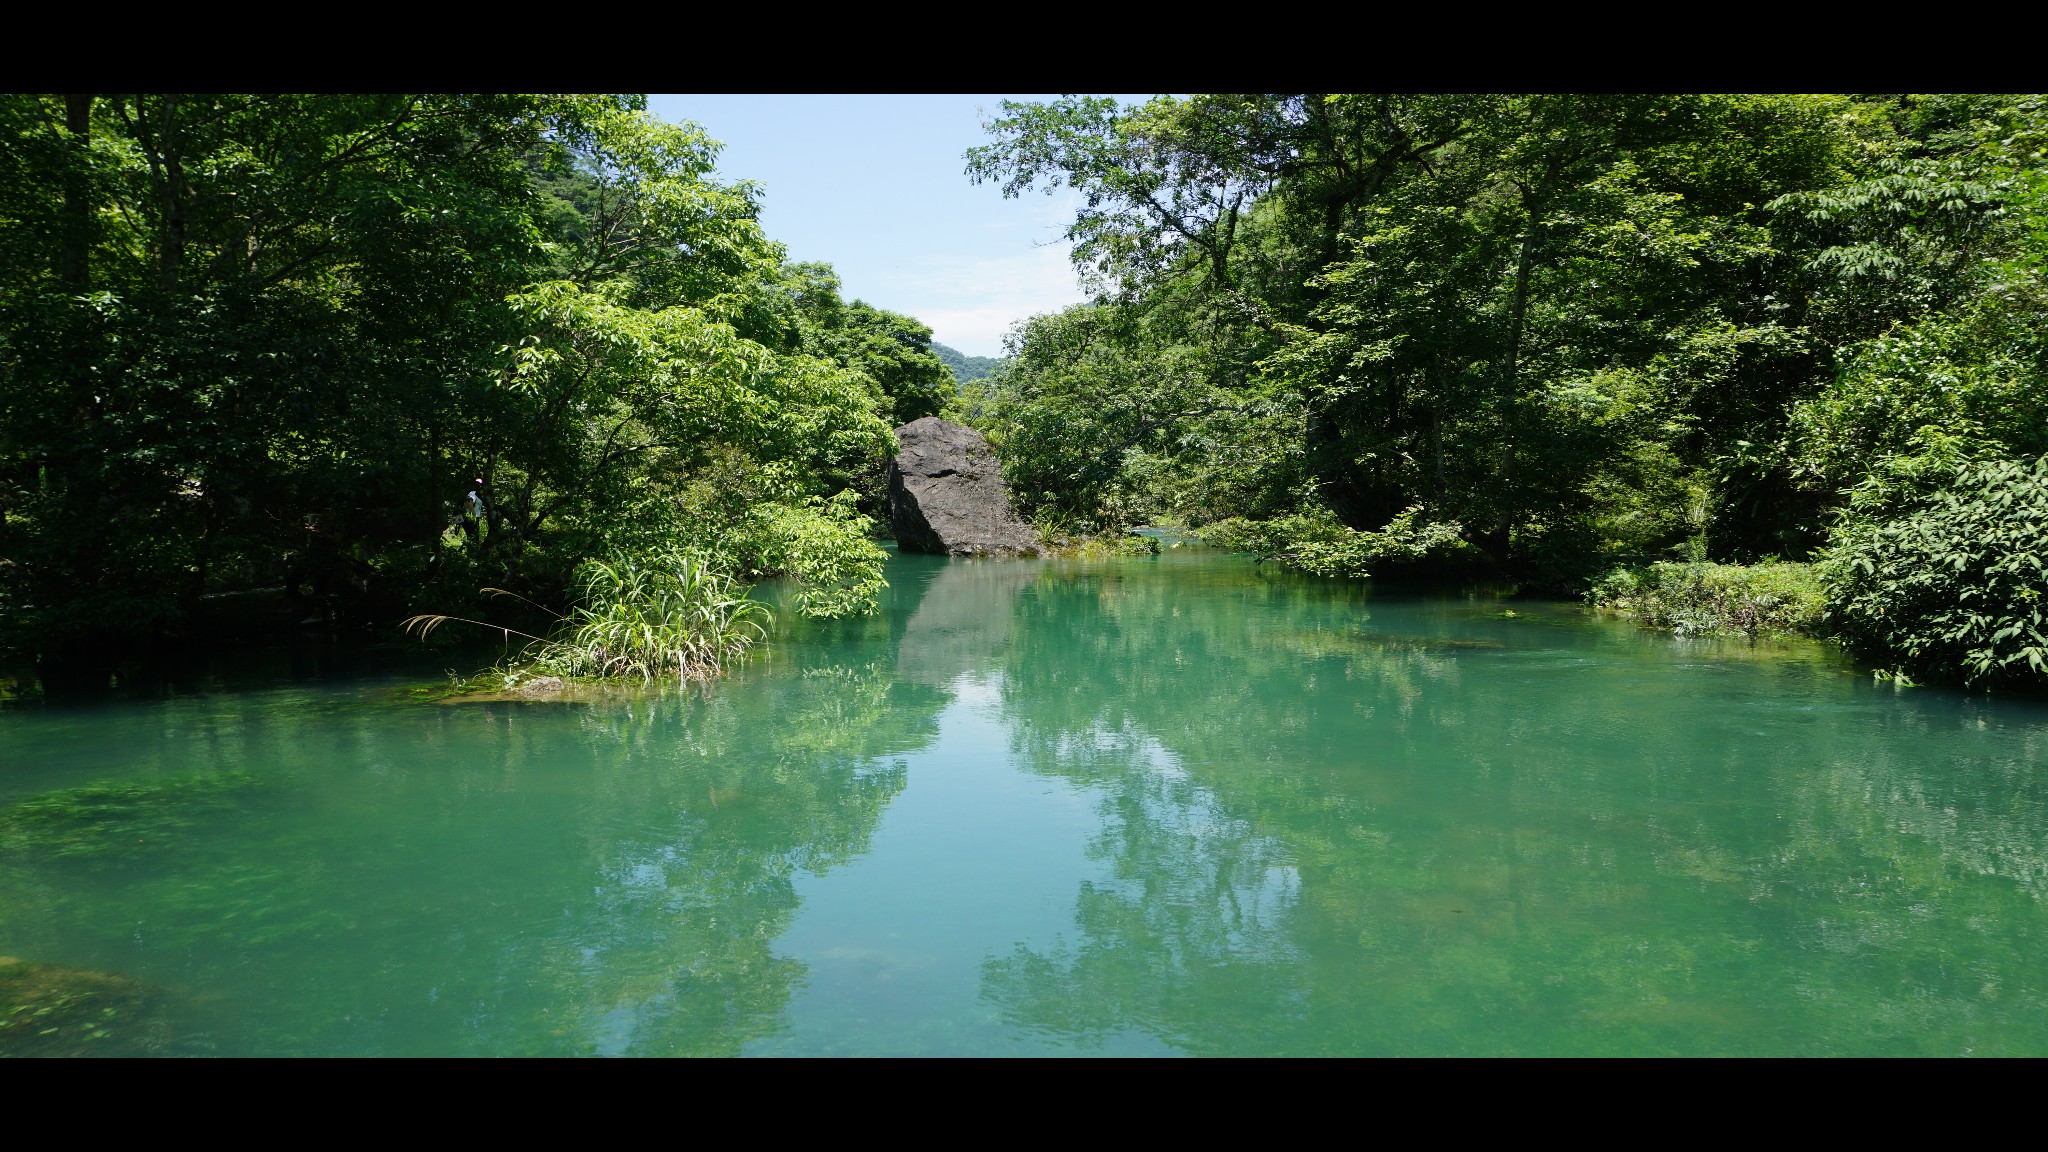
x: 1154, y: 806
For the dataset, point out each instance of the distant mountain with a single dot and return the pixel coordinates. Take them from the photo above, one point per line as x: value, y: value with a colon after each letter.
x: 966, y: 367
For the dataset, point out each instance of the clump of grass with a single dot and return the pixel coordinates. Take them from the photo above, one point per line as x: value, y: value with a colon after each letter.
x: 675, y: 615
x: 1699, y: 599
x: 671, y: 614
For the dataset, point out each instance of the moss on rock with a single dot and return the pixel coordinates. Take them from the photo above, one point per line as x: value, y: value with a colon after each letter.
x: 49, y: 1010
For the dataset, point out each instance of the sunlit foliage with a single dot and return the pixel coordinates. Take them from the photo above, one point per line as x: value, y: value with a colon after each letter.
x: 1588, y: 330
x: 1949, y: 581
x: 336, y: 358
x: 1716, y: 599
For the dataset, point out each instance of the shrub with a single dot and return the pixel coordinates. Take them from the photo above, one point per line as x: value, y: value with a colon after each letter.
x: 1969, y: 375
x: 1716, y: 599
x: 823, y: 546
x: 1945, y: 581
x: 1316, y: 542
x: 1101, y: 547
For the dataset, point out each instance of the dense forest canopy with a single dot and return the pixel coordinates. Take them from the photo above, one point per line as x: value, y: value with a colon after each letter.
x: 263, y: 347
x: 342, y: 358
x: 1537, y: 335
x: 1576, y: 325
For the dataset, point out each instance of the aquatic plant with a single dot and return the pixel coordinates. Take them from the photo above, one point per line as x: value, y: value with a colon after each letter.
x: 100, y: 822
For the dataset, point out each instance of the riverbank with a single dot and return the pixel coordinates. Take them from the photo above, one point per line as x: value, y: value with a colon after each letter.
x: 1702, y: 599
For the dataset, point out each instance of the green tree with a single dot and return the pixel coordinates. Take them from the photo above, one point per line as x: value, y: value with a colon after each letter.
x: 275, y: 341
x: 966, y: 368
x: 1583, y: 327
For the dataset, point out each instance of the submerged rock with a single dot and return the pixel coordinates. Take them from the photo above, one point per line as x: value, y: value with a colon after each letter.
x: 47, y: 1010
x: 543, y: 686
x: 946, y: 494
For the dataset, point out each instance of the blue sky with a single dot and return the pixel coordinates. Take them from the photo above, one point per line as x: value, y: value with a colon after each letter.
x: 873, y: 186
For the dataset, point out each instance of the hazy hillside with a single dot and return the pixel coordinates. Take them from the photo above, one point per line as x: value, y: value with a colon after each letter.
x: 965, y: 367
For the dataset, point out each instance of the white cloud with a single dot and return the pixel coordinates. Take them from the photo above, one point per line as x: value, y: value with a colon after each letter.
x: 971, y: 302
x: 968, y: 274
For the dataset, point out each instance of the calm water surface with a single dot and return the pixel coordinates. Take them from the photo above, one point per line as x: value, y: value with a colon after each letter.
x: 1159, y: 806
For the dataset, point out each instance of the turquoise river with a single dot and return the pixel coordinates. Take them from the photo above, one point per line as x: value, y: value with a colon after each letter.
x: 1168, y: 806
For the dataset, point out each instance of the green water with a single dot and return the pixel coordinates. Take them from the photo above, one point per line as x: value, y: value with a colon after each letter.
x: 1164, y: 806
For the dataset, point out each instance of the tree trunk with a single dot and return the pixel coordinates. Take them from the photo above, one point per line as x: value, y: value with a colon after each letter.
x: 172, y: 194
x: 1502, y: 537
x: 1436, y: 437
x: 74, y: 258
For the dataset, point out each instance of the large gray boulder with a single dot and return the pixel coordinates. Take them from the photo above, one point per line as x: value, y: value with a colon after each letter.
x: 946, y: 494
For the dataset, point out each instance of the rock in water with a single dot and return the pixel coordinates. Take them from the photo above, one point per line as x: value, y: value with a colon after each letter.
x: 46, y: 1010
x: 946, y: 494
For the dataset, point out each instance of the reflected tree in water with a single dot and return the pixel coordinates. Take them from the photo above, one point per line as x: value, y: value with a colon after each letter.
x: 606, y: 878
x: 1466, y: 835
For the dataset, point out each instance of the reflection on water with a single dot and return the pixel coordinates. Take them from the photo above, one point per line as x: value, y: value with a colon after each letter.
x: 1165, y: 804
x: 346, y: 875
x: 1474, y: 835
